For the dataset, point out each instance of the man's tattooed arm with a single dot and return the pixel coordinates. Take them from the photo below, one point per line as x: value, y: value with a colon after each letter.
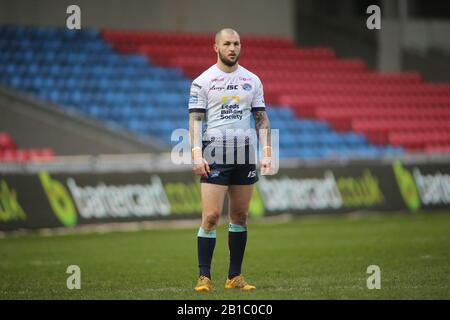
x: 262, y: 126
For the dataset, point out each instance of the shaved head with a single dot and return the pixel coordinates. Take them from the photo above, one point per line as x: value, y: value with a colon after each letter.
x: 227, y: 31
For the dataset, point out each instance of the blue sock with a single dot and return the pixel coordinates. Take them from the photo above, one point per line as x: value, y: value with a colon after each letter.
x: 237, y: 239
x: 206, y: 241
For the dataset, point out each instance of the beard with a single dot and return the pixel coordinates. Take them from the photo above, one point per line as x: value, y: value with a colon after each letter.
x: 227, y: 61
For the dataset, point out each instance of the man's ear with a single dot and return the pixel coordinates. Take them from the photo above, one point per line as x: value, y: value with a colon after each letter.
x: 216, y: 49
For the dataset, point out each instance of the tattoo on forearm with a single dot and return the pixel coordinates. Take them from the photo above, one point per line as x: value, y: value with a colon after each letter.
x: 262, y: 123
x: 195, y: 128
x: 196, y: 116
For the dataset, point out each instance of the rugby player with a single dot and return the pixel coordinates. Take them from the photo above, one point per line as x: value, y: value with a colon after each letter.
x: 221, y: 100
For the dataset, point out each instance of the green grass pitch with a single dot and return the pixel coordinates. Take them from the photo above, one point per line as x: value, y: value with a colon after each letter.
x: 322, y: 257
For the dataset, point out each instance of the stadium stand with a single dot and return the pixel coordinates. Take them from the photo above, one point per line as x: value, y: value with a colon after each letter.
x: 326, y: 107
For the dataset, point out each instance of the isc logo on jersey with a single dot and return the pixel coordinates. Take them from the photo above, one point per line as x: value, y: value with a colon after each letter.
x: 232, y: 87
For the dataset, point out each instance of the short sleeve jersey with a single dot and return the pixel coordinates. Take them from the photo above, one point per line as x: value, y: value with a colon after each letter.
x: 227, y: 99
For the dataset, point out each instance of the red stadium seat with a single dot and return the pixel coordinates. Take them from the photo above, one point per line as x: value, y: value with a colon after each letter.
x: 10, y: 153
x: 6, y: 142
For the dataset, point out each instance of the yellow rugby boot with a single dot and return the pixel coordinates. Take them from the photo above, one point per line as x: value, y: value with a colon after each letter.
x: 203, y: 284
x: 238, y: 282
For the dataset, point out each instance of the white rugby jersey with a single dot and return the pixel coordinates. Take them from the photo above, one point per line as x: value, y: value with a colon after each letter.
x: 228, y: 99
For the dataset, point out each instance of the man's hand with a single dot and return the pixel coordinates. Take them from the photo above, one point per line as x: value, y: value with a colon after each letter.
x: 266, y: 166
x: 201, y: 167
x: 266, y: 161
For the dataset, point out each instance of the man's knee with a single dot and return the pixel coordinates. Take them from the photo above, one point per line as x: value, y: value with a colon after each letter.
x: 239, y: 218
x: 211, y: 220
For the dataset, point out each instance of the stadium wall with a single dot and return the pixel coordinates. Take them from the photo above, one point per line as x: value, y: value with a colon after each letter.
x: 423, y: 35
x: 36, y: 124
x: 45, y: 197
x: 264, y: 17
x: 401, y: 44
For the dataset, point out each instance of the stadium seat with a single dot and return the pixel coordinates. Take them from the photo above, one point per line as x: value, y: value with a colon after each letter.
x: 9, y: 152
x: 324, y: 106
